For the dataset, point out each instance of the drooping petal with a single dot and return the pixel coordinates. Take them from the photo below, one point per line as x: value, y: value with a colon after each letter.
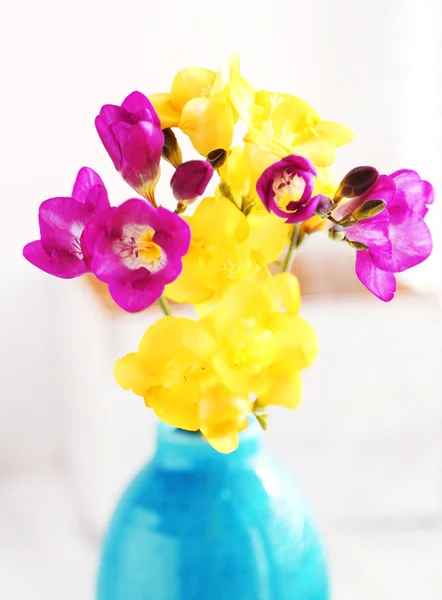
x: 137, y: 292
x: 411, y: 244
x: 62, y: 221
x: 54, y: 262
x: 380, y: 283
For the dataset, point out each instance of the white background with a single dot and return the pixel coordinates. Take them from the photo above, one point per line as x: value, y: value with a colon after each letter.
x: 367, y: 442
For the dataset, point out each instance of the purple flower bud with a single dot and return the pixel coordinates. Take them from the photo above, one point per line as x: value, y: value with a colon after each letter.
x: 190, y: 180
x: 132, y: 136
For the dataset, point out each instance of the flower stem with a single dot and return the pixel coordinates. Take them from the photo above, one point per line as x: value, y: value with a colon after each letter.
x: 288, y: 262
x: 164, y: 305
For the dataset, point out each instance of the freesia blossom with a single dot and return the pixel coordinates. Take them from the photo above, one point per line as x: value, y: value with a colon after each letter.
x: 219, y: 254
x: 190, y: 180
x: 205, y: 375
x: 286, y: 187
x: 263, y: 343
x: 397, y: 238
x: 136, y: 249
x: 205, y: 105
x: 62, y: 221
x: 131, y: 134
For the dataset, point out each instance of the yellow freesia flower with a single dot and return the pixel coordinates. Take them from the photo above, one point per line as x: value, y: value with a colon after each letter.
x: 218, y: 255
x: 205, y: 375
x: 261, y: 339
x: 171, y: 370
x: 291, y: 126
x: 205, y: 105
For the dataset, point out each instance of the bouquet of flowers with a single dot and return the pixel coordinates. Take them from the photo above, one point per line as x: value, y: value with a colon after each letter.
x: 229, y: 254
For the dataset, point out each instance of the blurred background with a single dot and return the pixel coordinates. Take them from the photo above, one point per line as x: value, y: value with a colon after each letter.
x: 367, y: 442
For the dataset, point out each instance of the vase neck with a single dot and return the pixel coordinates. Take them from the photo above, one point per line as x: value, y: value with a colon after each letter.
x: 177, y: 449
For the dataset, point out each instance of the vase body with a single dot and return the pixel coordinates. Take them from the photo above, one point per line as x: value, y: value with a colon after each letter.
x: 198, y: 525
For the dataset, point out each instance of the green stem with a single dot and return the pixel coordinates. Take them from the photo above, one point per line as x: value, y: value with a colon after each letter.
x: 287, y: 264
x: 164, y: 305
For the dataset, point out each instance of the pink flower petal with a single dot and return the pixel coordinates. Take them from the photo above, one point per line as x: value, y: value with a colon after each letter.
x: 86, y: 179
x: 134, y: 296
x: 380, y: 283
x: 57, y: 262
x: 62, y: 221
x: 137, y: 102
x: 374, y: 233
x: 412, y: 193
x: 411, y: 244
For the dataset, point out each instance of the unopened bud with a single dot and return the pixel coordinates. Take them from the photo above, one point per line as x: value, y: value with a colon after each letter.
x: 171, y: 149
x: 190, y: 180
x: 324, y: 205
x: 369, y: 209
x: 357, y: 245
x: 337, y: 233
x: 356, y: 182
x: 217, y: 158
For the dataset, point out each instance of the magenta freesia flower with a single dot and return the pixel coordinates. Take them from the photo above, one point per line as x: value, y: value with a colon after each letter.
x: 190, y: 180
x: 136, y: 249
x: 62, y: 220
x: 131, y: 134
x: 396, y: 239
x: 286, y: 187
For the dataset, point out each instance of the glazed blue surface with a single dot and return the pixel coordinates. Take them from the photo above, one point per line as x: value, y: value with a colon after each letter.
x: 198, y: 525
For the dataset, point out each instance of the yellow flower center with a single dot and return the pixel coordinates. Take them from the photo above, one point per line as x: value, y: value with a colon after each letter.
x: 288, y: 189
x: 136, y: 248
x: 148, y: 250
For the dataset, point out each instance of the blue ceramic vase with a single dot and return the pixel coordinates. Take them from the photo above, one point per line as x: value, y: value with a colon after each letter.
x: 198, y: 525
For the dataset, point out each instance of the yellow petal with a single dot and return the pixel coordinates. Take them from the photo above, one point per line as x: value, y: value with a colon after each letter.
x: 325, y: 183
x: 285, y: 113
x: 168, y: 114
x: 269, y: 234
x: 224, y: 444
x: 314, y: 224
x: 320, y: 152
x: 130, y: 374
x: 285, y: 391
x: 191, y: 285
x: 236, y: 173
x: 175, y: 407
x: 285, y: 290
x: 208, y: 124
x: 222, y: 416
x: 294, y: 344
x: 191, y: 82
x: 339, y: 134
x: 218, y: 221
